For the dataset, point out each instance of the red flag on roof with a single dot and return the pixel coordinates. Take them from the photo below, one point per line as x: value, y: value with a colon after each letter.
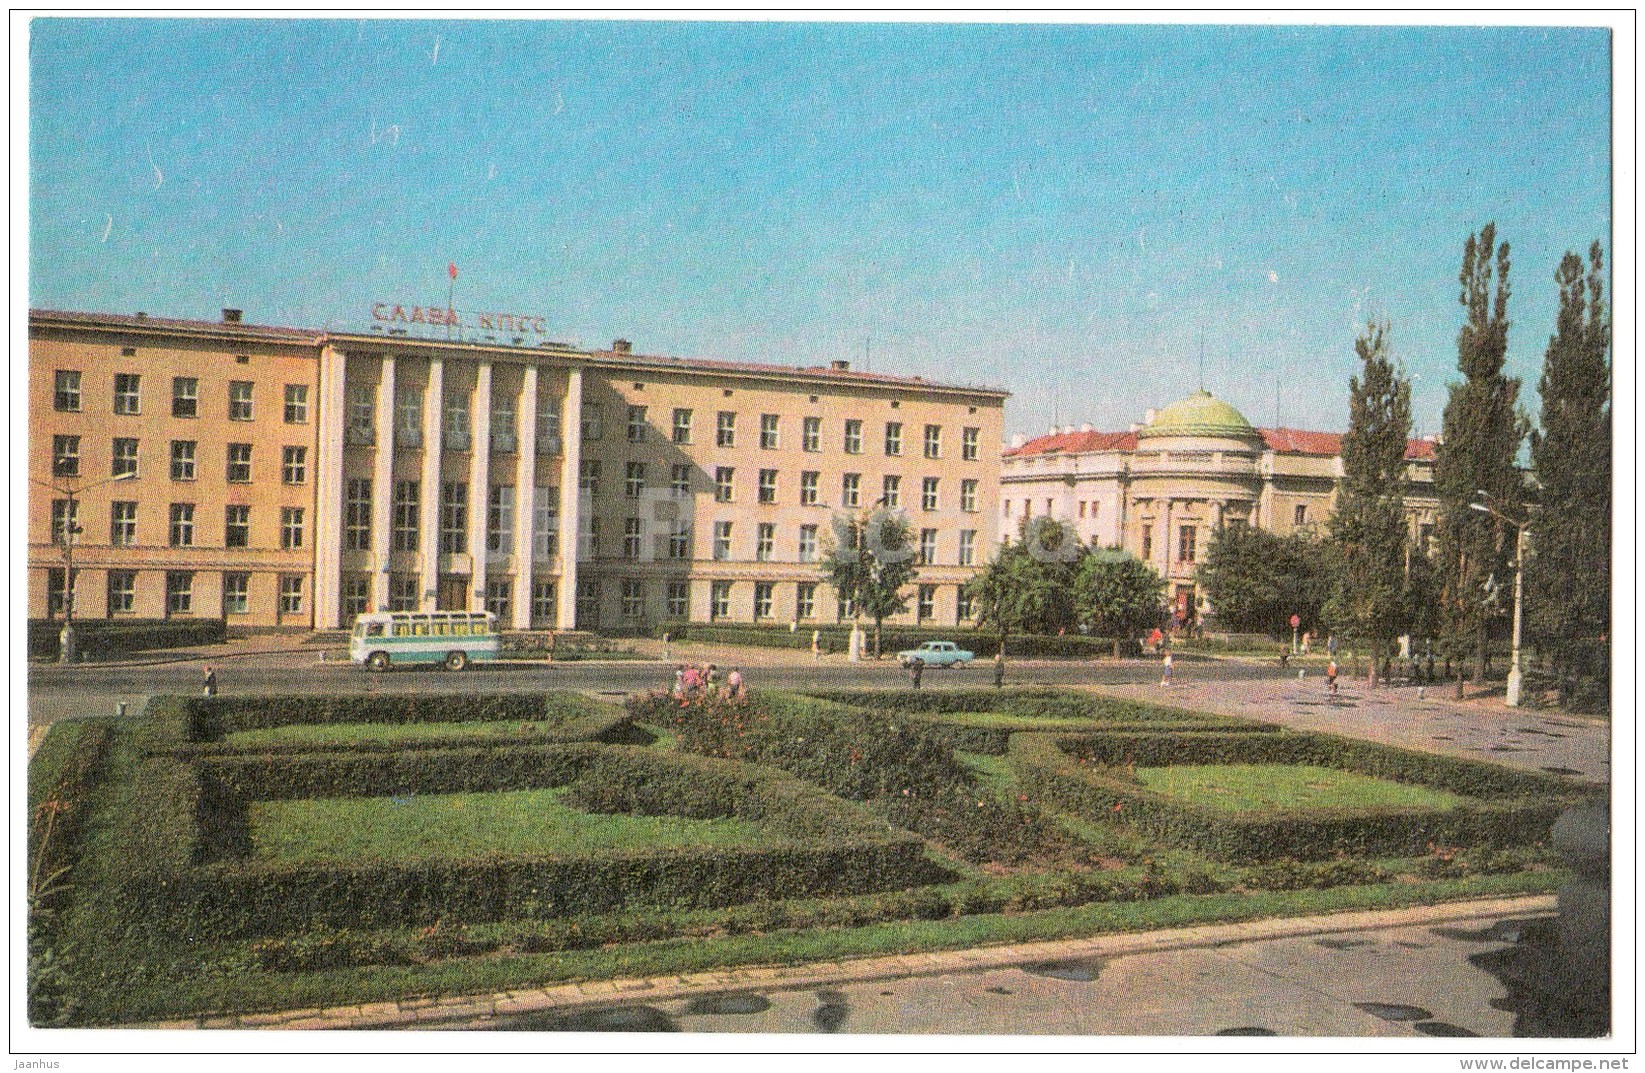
x: 452, y: 268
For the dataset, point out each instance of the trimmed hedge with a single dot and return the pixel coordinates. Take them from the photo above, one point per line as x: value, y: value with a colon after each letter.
x: 836, y: 638
x: 209, y: 719
x: 1061, y: 771
x: 114, y: 638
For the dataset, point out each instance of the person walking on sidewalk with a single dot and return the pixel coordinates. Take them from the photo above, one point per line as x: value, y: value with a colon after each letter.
x: 1165, y: 669
x: 816, y: 646
x: 1331, y: 676
x: 210, y: 684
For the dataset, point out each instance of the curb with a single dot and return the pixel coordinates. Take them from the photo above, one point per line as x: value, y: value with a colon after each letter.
x: 567, y: 997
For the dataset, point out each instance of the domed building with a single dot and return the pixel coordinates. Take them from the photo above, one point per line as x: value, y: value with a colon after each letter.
x: 1161, y: 489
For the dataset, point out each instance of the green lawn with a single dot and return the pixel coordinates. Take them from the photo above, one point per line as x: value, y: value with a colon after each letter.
x: 1252, y: 787
x: 342, y: 733
x: 462, y: 825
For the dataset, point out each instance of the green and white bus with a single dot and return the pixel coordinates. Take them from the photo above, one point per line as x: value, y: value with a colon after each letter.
x: 451, y: 638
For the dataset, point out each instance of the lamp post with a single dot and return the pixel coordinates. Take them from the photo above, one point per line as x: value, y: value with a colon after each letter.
x: 66, y: 647
x: 1515, y: 674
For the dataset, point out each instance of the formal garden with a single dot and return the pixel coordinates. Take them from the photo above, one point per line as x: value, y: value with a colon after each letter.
x: 244, y: 854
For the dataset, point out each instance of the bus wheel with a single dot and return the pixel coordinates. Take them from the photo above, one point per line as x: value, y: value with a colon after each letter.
x: 456, y: 661
x: 378, y: 661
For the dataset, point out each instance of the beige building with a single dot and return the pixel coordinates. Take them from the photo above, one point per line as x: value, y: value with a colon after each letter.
x: 1163, y: 488
x: 445, y: 474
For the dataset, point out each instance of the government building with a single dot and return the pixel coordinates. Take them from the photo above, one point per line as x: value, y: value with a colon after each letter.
x: 1161, y: 489
x: 292, y: 478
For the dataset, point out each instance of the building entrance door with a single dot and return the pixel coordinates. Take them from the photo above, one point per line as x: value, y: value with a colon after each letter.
x: 453, y: 594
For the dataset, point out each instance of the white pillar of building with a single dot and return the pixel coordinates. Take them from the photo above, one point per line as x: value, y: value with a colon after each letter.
x: 479, y: 485
x: 428, y: 537
x: 326, y: 531
x: 382, y: 486
x: 525, y: 498
x: 571, y: 434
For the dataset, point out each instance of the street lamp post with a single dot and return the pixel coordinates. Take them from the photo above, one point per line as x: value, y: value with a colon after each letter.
x: 1516, y: 676
x: 67, y: 647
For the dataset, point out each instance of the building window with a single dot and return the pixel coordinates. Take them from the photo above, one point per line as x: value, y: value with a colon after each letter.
x: 928, y: 494
x: 593, y: 422
x: 185, y: 396
x: 362, y: 415
x: 632, y: 538
x: 66, y: 391
x: 682, y: 426
x: 291, y: 594
x: 407, y: 515
x: 503, y: 438
x: 454, y: 518
x: 636, y: 424
x: 548, y: 426
x: 499, y: 593
x: 1147, y: 543
x: 808, y: 487
x: 634, y: 480
x: 968, y: 547
x: 236, y: 594
x: 182, y: 460
x: 719, y: 600
x: 588, y: 604
x: 294, y: 465
x: 356, y: 596
x: 296, y: 404
x: 500, y: 519
x: 678, y: 599
x: 765, y: 541
x: 65, y: 456
x: 768, y: 486
x: 236, y: 526
x: 588, y: 476
x: 56, y: 592
x: 633, y: 597
x: 545, y: 525
x: 679, y: 480
x: 679, y: 540
x: 969, y: 439
x: 124, y: 457
x: 403, y: 592
x: 592, y: 533
x: 122, y: 591
x: 291, y: 527
x: 128, y: 393
x: 179, y: 592
x: 725, y: 431
x: 545, y: 602
x: 926, y: 609
x: 891, y: 490
x: 723, y: 477
x: 454, y: 427
x: 805, y: 600
x: 357, y: 514
x: 1185, y: 544
x: 182, y: 525
x: 851, y: 489
x: 122, y: 523
x: 239, y: 463
x: 768, y: 431
x: 893, y: 437
x: 853, y: 437
x: 239, y: 400
x: 968, y: 604
x: 1425, y: 538
x: 968, y: 496
x: 722, y: 541
x: 64, y: 521
x: 763, y: 591
x: 928, y: 547
x: 1299, y: 516
x: 933, y: 441
x: 811, y: 434
x: 808, y: 543
x: 408, y: 420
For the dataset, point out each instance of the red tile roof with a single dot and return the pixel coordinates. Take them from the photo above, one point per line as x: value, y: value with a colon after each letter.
x: 1075, y: 443
x: 1282, y: 440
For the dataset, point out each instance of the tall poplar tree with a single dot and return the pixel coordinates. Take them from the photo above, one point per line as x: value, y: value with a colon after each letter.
x: 1481, y: 437
x: 1569, y: 574
x: 1368, y: 522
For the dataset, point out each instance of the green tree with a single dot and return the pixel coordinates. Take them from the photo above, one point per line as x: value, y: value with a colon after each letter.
x: 1256, y: 580
x: 1481, y: 438
x: 1569, y: 574
x: 1369, y: 600
x: 1116, y: 594
x: 868, y: 562
x: 1028, y: 586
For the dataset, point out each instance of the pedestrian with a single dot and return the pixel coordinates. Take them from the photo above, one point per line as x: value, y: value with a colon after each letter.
x: 916, y: 667
x: 1331, y: 676
x: 1154, y: 640
x: 1165, y: 669
x: 1307, y: 636
x: 679, y: 682
x: 692, y: 680
x: 210, y: 688
x: 667, y: 637
x: 816, y: 646
x: 734, y: 684
x: 999, y: 668
x: 1331, y: 645
x: 711, y: 679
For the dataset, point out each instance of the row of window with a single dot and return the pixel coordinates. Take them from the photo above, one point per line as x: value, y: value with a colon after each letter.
x: 811, y: 432
x: 805, y: 601
x: 67, y: 396
x: 182, y: 530
x: 635, y: 477
x: 122, y: 592
x: 123, y: 454
x: 405, y: 594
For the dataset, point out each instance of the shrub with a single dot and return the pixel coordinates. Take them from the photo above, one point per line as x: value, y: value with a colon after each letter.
x: 209, y: 718
x: 115, y: 638
x: 836, y: 638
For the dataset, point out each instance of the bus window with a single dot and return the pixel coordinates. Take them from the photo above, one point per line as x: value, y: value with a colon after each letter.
x: 402, y: 630
x: 420, y: 629
x: 374, y: 629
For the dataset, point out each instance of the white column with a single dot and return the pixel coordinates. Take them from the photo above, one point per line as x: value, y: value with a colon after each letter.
x: 479, y: 485
x: 571, y: 434
x: 525, y: 498
x: 382, y: 486
x: 429, y: 537
x: 326, y: 530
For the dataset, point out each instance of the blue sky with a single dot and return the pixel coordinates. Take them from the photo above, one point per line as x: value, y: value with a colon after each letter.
x: 1065, y: 211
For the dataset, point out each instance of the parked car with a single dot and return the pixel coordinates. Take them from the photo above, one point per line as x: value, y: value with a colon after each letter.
x: 937, y: 654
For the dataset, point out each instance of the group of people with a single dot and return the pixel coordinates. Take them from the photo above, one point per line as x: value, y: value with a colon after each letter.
x: 691, y: 681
